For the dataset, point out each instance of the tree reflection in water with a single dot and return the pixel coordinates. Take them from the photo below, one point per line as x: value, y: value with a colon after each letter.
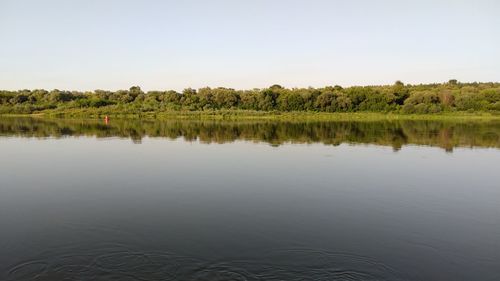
x: 394, y: 133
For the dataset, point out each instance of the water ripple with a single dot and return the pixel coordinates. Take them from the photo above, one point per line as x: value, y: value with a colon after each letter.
x: 126, y: 264
x: 28, y: 270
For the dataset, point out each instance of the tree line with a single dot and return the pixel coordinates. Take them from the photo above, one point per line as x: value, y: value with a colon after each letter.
x: 399, y: 97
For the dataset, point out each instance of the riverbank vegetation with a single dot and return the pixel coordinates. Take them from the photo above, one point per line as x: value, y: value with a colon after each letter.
x: 451, y: 97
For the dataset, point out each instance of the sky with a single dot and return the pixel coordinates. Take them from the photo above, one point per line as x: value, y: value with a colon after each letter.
x: 108, y: 44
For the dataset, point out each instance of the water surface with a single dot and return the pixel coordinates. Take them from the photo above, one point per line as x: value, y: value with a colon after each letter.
x: 221, y: 200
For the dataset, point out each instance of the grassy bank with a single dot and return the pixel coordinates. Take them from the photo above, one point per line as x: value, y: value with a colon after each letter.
x: 259, y: 115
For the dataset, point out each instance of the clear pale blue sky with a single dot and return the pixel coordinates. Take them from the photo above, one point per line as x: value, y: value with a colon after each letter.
x: 87, y: 44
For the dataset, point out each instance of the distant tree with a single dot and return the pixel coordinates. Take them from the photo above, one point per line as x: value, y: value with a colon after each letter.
x: 400, y: 93
x: 326, y: 102
x: 398, y: 97
x: 59, y: 96
x: 135, y: 91
x: 276, y: 87
x: 267, y: 99
x: 19, y: 98
x: 290, y: 101
x: 446, y: 97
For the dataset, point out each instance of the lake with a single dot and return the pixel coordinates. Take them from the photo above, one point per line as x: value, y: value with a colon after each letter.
x: 249, y: 200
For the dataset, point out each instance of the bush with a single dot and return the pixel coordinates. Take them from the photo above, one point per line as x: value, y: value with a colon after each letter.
x: 421, y: 99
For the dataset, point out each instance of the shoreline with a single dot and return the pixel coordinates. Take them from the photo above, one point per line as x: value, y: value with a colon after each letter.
x: 264, y: 115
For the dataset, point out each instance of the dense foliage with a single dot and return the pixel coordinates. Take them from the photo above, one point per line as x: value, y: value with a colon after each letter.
x: 400, y: 98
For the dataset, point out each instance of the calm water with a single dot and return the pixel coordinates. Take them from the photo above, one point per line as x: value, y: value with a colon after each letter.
x: 211, y: 200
